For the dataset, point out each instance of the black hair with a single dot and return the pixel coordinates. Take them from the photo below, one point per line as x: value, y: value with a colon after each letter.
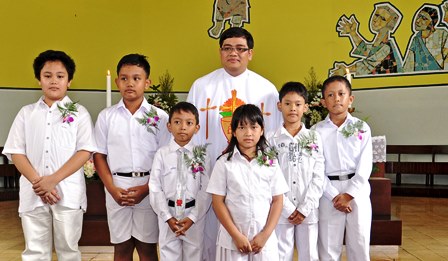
x: 295, y: 87
x: 433, y: 13
x: 52, y: 56
x: 186, y: 107
x: 248, y: 114
x: 237, y: 32
x: 336, y: 78
x: 134, y: 59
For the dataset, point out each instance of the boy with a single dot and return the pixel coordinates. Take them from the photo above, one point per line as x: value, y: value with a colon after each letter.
x: 180, y: 174
x: 302, y: 162
x: 345, y: 205
x: 49, y: 142
x: 128, y: 135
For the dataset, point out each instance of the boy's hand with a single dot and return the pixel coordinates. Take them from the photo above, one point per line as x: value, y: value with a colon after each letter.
x: 296, y: 218
x: 172, y: 223
x: 51, y: 198
x: 119, y: 196
x: 242, y: 244
x: 342, y: 202
x: 137, y: 194
x: 44, y: 185
x: 184, y: 225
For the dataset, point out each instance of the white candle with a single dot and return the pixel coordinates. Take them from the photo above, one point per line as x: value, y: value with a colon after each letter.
x: 108, y: 90
x: 348, y: 75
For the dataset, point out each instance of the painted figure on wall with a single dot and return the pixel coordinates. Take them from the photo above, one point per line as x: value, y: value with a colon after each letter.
x: 428, y: 48
x: 380, y: 56
x: 236, y: 12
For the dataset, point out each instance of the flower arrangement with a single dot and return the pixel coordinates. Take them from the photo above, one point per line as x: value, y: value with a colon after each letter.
x: 150, y: 120
x: 162, y: 96
x: 316, y: 111
x: 267, y: 157
x: 308, y: 142
x: 90, y: 173
x: 196, y: 163
x: 68, y: 112
x: 354, y: 129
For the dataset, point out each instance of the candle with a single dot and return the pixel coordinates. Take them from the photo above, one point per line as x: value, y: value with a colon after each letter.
x: 348, y: 75
x: 108, y: 90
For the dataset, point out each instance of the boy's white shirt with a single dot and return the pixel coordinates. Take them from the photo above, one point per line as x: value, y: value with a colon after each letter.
x: 128, y: 145
x: 345, y: 156
x: 39, y: 133
x: 162, y: 183
x: 248, y: 188
x: 304, y: 176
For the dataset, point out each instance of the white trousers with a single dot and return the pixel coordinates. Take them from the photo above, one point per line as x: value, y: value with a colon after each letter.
x: 43, y: 223
x: 333, y: 223
x: 305, y: 238
x: 188, y: 247
x: 180, y: 250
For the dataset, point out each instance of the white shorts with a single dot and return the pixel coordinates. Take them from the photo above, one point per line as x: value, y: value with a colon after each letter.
x: 138, y: 221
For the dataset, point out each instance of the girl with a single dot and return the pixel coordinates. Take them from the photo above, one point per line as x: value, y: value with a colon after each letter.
x: 247, y: 189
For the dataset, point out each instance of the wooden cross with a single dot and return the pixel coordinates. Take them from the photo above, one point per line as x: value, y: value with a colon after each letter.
x: 206, y: 109
x: 233, y: 105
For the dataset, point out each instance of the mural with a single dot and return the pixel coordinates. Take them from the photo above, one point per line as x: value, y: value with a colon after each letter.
x: 426, y: 52
x: 236, y: 12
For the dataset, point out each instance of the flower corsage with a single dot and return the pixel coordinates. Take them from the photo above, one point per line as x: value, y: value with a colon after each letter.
x: 267, y: 157
x: 68, y: 112
x: 90, y: 173
x: 308, y: 142
x: 354, y: 129
x: 150, y: 120
x: 197, y: 162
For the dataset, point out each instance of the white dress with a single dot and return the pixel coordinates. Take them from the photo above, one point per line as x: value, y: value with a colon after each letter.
x: 248, y: 189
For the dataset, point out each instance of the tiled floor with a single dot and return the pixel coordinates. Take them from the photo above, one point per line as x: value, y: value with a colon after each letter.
x: 425, y: 233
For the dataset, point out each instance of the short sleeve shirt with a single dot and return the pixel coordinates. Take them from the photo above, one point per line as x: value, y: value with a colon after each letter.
x: 39, y: 133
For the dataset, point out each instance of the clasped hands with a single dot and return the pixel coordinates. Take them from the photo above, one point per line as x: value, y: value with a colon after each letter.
x: 45, y: 188
x: 179, y: 227
x: 342, y: 202
x: 130, y: 196
x: 255, y: 245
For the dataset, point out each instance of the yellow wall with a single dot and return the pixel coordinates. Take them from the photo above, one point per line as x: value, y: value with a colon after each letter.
x: 290, y: 37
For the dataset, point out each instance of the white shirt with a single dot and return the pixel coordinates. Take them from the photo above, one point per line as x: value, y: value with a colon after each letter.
x: 304, y: 172
x: 39, y: 133
x: 163, y: 180
x: 248, y: 189
x: 210, y: 92
x: 129, y: 146
x: 345, y: 156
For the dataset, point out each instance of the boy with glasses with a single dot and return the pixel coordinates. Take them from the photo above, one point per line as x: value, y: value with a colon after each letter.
x: 219, y: 93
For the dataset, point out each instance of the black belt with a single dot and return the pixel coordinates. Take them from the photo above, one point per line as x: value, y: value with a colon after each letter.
x: 187, y: 205
x: 132, y: 174
x: 342, y: 177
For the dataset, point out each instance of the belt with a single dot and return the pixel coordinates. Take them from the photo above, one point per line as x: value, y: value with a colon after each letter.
x: 187, y: 205
x: 132, y: 174
x: 342, y: 177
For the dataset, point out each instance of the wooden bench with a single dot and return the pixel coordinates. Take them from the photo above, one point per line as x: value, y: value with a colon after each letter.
x: 429, y: 168
x: 10, y: 175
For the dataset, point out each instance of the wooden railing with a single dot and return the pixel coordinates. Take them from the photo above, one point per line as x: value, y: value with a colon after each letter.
x: 430, y: 168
